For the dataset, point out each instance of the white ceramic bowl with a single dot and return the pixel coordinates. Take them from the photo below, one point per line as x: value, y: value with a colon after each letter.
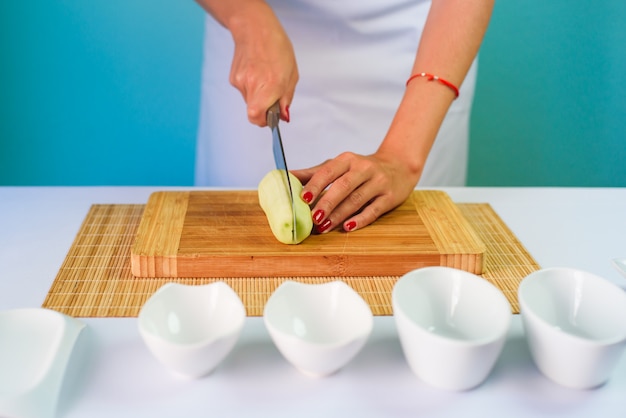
x: 318, y: 328
x: 452, y: 325
x: 575, y: 325
x: 35, y: 348
x: 191, y: 329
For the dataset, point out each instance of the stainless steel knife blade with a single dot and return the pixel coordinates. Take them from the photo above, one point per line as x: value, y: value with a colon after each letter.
x: 273, y: 117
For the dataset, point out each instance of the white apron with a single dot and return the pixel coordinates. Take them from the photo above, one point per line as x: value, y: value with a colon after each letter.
x: 354, y: 58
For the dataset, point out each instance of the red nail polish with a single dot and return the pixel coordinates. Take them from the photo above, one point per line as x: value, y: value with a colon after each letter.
x: 323, y: 227
x: 287, y: 113
x: 307, y: 197
x: 350, y: 226
x: 318, y: 216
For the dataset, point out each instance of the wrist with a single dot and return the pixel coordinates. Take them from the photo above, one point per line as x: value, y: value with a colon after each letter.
x: 416, y: 124
x: 252, y: 17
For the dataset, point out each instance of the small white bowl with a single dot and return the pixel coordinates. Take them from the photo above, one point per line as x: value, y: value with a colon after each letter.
x: 191, y: 329
x: 35, y: 349
x: 575, y: 325
x: 318, y: 328
x: 452, y: 325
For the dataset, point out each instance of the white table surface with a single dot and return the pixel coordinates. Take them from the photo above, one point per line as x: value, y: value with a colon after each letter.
x: 112, y: 374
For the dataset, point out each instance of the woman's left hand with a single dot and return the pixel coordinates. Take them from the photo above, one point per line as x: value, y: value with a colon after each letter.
x: 354, y: 190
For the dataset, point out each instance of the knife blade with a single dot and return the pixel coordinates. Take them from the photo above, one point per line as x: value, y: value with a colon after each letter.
x: 273, y: 117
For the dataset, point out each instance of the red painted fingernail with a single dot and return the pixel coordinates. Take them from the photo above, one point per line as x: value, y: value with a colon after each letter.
x: 350, y: 226
x: 318, y: 216
x: 323, y: 227
x: 287, y: 113
x: 307, y: 197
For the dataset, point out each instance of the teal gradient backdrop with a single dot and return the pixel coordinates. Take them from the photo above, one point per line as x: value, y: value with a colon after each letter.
x: 99, y: 91
x: 550, y: 106
x: 106, y: 93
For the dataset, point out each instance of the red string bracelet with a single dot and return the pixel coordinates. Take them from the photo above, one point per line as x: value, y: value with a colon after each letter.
x: 432, y: 77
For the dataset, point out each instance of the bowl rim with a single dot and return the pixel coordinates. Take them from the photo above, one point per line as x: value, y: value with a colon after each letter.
x: 238, y: 320
x: 364, y: 333
x: 527, y: 311
x: 399, y: 311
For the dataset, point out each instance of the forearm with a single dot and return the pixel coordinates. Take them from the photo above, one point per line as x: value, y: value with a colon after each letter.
x: 452, y: 36
x: 238, y: 16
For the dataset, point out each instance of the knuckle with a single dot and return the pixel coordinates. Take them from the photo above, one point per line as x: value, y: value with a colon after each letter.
x: 326, y: 205
x: 346, y: 156
x: 327, y: 171
x: 356, y: 198
x: 253, y: 113
x: 233, y: 79
x: 238, y: 79
x: 369, y: 166
x: 374, y: 210
x: 344, y: 184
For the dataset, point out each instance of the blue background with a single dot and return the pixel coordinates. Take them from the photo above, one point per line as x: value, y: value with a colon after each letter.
x: 106, y: 92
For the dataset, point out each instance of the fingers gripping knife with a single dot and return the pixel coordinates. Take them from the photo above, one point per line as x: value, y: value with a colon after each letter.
x: 273, y: 117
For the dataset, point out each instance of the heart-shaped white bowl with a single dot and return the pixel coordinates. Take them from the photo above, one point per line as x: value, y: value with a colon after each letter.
x: 318, y: 328
x: 575, y: 325
x: 452, y: 325
x: 191, y: 329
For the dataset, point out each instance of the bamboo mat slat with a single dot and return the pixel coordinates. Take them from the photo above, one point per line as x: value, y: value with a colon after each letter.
x: 95, y: 278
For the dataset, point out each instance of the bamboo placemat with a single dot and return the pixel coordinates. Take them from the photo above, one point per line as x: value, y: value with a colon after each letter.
x: 95, y: 279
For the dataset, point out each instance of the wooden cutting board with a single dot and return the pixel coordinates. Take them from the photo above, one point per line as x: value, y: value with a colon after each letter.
x: 226, y: 234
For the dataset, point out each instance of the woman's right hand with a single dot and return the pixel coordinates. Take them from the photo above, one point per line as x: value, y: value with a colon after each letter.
x: 264, y: 67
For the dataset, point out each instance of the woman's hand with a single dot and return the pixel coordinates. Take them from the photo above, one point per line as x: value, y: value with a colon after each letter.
x: 264, y: 65
x: 352, y: 191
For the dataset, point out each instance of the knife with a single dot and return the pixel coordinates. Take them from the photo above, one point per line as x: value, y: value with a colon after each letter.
x: 273, y: 117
